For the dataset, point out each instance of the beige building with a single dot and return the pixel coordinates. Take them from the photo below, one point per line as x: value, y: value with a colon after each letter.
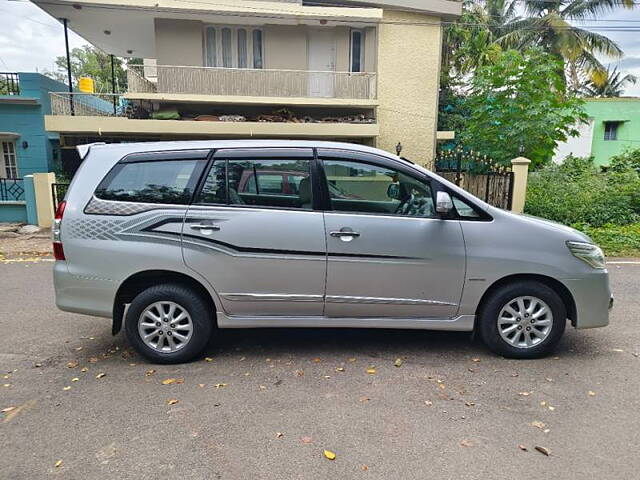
x: 361, y: 71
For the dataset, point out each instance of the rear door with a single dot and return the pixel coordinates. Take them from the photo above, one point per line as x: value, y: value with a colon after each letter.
x: 258, y: 242
x: 389, y: 255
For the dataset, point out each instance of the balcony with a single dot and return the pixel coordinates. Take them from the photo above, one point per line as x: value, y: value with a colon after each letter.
x: 84, y: 114
x: 245, y: 82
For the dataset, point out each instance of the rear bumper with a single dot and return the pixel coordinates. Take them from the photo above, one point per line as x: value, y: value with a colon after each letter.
x: 79, y: 294
x: 592, y: 297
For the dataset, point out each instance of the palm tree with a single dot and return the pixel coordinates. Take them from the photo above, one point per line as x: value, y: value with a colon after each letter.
x: 550, y: 24
x: 611, y: 84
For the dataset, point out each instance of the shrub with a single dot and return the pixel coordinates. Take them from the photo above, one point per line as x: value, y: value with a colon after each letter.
x: 577, y: 192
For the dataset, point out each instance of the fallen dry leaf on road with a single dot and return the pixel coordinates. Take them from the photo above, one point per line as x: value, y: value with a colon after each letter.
x: 371, y: 370
x: 8, y: 409
x: 66, y: 388
x: 173, y: 401
x: 148, y: 373
x: 467, y: 443
x: 7, y: 385
x: 78, y: 349
x: 307, y: 440
x: 469, y: 404
x: 208, y: 359
x: 84, y: 369
x: 300, y: 373
x: 398, y: 362
x: 168, y: 381
x: 201, y: 385
x: 523, y: 448
x: 365, y: 468
x: 16, y: 410
x: 101, y: 375
x: 476, y: 360
x: 93, y: 360
x: 279, y: 434
x: 591, y: 393
x: 340, y: 369
x: 428, y: 403
x: 543, y: 450
x: 58, y: 463
x: 524, y: 394
x: 316, y: 360
x: 619, y: 350
x: 537, y: 424
x: 329, y: 454
x: 352, y: 359
x: 220, y: 385
x: 72, y: 364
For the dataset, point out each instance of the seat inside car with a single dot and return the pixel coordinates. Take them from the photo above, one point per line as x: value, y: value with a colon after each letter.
x: 305, y: 192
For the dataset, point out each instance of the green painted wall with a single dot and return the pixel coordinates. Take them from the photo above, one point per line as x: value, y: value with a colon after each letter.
x: 614, y: 109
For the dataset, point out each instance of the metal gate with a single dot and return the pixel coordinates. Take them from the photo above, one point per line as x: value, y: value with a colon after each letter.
x: 478, y: 175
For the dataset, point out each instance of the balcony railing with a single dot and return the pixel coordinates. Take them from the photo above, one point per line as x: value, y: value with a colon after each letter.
x: 251, y: 82
x: 87, y: 104
x: 9, y: 83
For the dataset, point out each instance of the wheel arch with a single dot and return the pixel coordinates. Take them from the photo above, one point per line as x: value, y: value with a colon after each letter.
x: 552, y: 283
x: 140, y: 281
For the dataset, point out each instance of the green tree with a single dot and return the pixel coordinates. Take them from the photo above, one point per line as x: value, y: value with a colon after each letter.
x: 610, y: 83
x: 519, y: 106
x: 88, y: 61
x: 551, y: 24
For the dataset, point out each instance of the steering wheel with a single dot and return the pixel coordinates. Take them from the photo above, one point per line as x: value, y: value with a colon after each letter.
x: 406, y: 203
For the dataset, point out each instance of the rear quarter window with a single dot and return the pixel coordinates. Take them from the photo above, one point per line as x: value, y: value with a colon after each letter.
x: 166, y: 181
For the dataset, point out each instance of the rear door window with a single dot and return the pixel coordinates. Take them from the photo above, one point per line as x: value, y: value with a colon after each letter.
x: 165, y: 181
x: 284, y: 183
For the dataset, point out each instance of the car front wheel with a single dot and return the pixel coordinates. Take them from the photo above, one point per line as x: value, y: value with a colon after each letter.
x: 523, y: 320
x: 169, y: 323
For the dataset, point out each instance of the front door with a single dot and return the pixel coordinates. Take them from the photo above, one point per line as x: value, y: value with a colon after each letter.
x: 322, y: 62
x: 253, y: 234
x: 389, y: 255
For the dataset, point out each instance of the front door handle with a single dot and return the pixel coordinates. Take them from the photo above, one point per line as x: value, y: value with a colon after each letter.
x: 341, y: 234
x: 202, y: 226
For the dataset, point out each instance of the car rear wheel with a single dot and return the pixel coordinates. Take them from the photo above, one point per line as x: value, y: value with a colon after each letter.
x: 169, y: 323
x: 523, y: 320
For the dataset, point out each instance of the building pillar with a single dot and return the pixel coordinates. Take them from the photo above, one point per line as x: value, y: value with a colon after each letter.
x: 44, y: 198
x: 30, y: 200
x: 520, y: 168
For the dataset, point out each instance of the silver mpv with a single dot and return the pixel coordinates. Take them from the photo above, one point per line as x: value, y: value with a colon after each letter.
x: 177, y: 238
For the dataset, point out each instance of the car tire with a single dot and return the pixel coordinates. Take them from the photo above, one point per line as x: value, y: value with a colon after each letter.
x: 525, y: 319
x: 181, y: 318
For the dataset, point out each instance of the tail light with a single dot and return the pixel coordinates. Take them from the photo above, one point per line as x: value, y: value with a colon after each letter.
x: 58, y: 251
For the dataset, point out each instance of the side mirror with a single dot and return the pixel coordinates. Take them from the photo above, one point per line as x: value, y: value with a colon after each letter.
x: 444, y: 204
x: 393, y: 191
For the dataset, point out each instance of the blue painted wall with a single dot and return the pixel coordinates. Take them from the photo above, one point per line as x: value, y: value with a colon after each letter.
x: 27, y: 120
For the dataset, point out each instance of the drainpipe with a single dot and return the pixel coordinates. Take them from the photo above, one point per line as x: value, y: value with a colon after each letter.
x: 113, y: 84
x: 70, y: 80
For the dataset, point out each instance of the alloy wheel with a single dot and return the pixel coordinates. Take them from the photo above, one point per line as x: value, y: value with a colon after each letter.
x: 525, y: 321
x: 165, y: 326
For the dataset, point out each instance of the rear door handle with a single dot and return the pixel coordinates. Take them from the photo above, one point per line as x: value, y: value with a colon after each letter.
x: 201, y: 226
x: 341, y: 234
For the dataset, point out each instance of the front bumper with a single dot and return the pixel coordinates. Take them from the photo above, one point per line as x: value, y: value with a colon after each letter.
x: 592, y: 297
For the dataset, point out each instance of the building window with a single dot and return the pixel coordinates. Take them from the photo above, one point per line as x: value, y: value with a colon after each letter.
x: 611, y: 130
x: 10, y: 159
x: 357, y: 50
x: 233, y: 47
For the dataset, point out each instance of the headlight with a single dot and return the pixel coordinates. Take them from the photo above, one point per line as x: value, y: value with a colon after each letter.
x: 590, y: 253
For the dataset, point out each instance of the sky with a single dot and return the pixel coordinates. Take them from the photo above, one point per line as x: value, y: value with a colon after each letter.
x: 35, y: 39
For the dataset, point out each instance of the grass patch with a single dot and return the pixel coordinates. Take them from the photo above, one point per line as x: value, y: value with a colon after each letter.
x: 615, y: 240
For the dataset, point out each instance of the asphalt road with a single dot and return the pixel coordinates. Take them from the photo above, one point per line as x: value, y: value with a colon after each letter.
x: 271, y: 401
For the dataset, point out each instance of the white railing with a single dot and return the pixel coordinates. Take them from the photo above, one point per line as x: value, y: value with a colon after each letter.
x: 86, y: 104
x: 252, y: 82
